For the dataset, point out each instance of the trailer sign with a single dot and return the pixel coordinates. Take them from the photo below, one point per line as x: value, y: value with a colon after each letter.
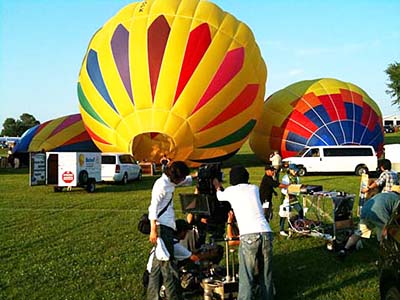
x: 68, y: 176
x: 37, y: 168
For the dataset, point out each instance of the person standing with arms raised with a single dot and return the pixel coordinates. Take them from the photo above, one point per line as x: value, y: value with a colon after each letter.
x: 255, y: 249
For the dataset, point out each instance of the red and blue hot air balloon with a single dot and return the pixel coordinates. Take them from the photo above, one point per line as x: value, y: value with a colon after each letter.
x: 318, y: 112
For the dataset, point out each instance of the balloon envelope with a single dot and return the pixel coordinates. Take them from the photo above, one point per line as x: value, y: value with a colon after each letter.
x: 62, y: 134
x: 317, y: 112
x: 182, y: 78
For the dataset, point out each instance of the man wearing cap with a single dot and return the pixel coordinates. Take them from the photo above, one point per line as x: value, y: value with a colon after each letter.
x: 289, y: 201
x: 255, y: 249
x: 267, y: 185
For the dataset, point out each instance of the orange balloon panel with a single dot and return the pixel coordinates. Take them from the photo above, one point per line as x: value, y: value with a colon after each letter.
x: 177, y: 77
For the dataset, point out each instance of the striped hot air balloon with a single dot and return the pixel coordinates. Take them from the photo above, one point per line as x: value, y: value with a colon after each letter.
x: 181, y: 78
x: 62, y: 134
x: 317, y: 112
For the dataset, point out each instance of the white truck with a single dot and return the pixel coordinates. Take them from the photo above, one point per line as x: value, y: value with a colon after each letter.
x: 66, y: 169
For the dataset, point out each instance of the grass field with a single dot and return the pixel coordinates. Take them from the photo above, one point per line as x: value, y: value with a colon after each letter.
x: 75, y: 245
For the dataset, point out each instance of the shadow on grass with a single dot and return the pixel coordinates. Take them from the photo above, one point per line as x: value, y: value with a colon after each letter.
x: 247, y: 160
x: 314, y: 273
x: 145, y: 184
x: 11, y: 171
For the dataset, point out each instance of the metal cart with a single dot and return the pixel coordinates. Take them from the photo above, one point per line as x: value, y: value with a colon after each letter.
x: 334, y: 214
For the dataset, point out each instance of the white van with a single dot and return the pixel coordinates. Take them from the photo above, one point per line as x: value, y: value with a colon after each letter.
x: 119, y: 167
x: 357, y: 159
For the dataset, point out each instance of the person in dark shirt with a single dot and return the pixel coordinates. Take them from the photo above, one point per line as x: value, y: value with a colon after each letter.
x: 267, y: 185
x: 164, y: 161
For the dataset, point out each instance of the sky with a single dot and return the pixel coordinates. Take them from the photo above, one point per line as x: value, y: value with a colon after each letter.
x: 43, y: 42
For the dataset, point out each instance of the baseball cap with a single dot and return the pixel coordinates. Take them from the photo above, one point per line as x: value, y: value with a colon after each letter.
x: 269, y: 167
x: 293, y: 167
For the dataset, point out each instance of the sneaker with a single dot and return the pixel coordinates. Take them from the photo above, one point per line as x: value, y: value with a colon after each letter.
x: 282, y: 233
x: 162, y: 292
x: 342, y: 253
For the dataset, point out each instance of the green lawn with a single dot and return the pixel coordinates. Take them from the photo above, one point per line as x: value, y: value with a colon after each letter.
x: 75, y: 245
x: 392, y: 138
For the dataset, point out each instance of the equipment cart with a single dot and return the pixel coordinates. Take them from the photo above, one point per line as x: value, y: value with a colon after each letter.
x: 334, y: 214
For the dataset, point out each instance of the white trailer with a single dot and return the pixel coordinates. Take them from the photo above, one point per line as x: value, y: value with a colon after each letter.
x: 392, y: 153
x: 67, y: 169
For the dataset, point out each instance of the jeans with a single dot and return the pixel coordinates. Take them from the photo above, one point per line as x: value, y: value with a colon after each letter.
x: 164, y: 272
x: 255, y: 266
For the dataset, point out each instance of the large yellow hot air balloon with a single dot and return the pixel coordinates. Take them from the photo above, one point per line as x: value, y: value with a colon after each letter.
x: 320, y: 112
x: 182, y: 78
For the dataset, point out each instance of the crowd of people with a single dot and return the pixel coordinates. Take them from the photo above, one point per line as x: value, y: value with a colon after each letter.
x: 249, y: 217
x: 12, y: 160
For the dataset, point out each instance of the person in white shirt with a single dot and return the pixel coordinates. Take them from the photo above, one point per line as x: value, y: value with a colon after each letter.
x: 289, y: 201
x: 255, y: 249
x: 162, y: 220
x: 164, y: 161
x: 276, y: 162
x: 182, y: 255
x: 180, y: 252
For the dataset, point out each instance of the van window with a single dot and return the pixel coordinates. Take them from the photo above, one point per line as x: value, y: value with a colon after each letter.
x: 348, y: 152
x: 315, y: 152
x: 126, y: 159
x: 312, y: 152
x: 301, y: 153
x: 308, y: 154
x: 108, y: 159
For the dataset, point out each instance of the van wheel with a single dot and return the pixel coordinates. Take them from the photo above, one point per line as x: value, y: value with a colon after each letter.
x: 302, y: 172
x: 124, y: 179
x: 361, y: 170
x: 91, y: 186
x: 139, y: 176
x: 83, y: 178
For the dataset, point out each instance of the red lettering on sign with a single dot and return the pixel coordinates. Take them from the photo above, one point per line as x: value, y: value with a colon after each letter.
x: 67, y: 176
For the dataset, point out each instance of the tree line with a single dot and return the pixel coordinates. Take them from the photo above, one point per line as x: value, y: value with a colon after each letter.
x: 12, y: 127
x: 393, y: 71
